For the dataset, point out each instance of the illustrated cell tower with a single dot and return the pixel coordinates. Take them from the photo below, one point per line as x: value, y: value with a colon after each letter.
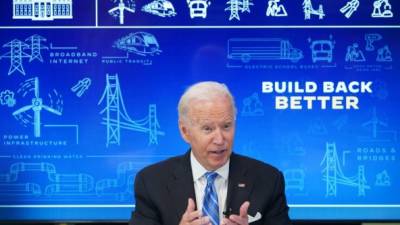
x: 16, y: 54
x: 117, y: 118
x: 333, y: 175
x: 36, y: 47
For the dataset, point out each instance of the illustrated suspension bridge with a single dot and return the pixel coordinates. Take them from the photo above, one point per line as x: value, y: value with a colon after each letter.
x: 116, y: 117
x: 333, y: 174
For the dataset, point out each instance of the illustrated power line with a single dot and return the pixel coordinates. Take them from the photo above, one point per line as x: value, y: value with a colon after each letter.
x: 246, y: 6
x: 16, y: 55
x: 117, y: 118
x: 236, y: 6
x: 333, y: 174
x: 36, y: 47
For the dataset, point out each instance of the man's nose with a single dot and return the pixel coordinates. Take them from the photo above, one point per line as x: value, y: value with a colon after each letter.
x: 218, y: 137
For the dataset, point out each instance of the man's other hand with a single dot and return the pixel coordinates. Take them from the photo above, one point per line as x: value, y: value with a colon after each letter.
x: 192, y: 217
x: 241, y: 219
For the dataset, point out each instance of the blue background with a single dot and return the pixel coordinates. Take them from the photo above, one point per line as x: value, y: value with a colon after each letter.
x: 95, y: 180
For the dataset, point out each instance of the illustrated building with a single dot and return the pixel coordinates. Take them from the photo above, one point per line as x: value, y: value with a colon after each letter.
x: 42, y: 9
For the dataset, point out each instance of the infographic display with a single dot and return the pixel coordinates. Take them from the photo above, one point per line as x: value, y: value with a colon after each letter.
x: 89, y: 92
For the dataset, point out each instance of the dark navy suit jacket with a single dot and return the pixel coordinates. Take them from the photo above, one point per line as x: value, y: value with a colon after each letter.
x: 162, y: 191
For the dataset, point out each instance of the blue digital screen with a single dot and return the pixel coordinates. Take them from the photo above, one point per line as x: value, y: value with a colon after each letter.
x: 89, y: 92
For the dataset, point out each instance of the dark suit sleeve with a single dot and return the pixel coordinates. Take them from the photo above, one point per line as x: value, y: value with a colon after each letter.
x: 146, y: 212
x: 278, y: 209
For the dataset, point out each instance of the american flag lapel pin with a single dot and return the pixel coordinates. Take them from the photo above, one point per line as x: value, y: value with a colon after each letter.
x: 241, y: 185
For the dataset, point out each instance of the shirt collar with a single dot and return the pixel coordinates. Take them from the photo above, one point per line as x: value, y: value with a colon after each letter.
x: 198, y: 170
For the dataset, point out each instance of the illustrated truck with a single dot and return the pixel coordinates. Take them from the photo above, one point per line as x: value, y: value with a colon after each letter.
x: 248, y: 49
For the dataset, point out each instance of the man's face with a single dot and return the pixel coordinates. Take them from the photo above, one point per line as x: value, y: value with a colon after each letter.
x: 209, y: 131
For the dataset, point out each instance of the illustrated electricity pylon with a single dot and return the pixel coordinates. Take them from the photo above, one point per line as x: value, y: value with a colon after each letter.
x: 119, y: 11
x: 36, y: 47
x: 37, y: 106
x: 333, y: 175
x: 117, y: 118
x: 246, y: 6
x: 16, y: 54
x: 234, y: 6
x: 374, y: 122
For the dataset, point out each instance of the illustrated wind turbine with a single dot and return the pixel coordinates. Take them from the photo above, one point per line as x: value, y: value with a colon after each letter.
x: 121, y: 7
x: 37, y: 106
x: 374, y: 122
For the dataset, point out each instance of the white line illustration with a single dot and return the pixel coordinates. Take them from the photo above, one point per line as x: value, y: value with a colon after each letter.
x: 382, y: 9
x: 350, y: 8
x: 119, y: 11
x: 198, y: 8
x: 162, y: 8
x: 116, y: 117
x: 36, y: 106
x: 309, y: 10
x: 42, y: 10
x: 275, y: 9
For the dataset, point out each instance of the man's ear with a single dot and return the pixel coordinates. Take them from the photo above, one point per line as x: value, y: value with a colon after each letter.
x: 184, y: 131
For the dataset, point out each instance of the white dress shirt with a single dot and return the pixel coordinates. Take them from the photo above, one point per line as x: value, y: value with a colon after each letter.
x: 200, y: 182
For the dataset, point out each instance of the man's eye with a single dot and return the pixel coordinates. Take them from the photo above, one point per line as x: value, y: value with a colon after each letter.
x: 207, y: 129
x: 227, y: 126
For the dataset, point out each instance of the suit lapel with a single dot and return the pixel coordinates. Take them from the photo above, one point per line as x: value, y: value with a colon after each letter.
x: 181, y: 186
x: 239, y: 185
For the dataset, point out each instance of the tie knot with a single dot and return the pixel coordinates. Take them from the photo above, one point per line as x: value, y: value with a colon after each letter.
x: 210, y: 176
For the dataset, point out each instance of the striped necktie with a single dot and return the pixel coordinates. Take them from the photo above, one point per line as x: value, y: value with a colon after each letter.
x: 210, y: 201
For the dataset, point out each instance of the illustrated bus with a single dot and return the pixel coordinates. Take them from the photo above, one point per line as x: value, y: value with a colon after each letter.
x: 248, y: 49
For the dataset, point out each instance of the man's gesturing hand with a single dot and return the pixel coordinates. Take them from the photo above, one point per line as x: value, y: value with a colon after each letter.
x: 241, y: 219
x: 192, y: 217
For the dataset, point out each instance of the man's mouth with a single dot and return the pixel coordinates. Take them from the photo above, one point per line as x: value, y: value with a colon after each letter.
x: 218, y: 152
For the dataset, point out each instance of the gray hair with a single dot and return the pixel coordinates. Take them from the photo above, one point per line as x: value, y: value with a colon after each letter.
x: 206, y: 90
